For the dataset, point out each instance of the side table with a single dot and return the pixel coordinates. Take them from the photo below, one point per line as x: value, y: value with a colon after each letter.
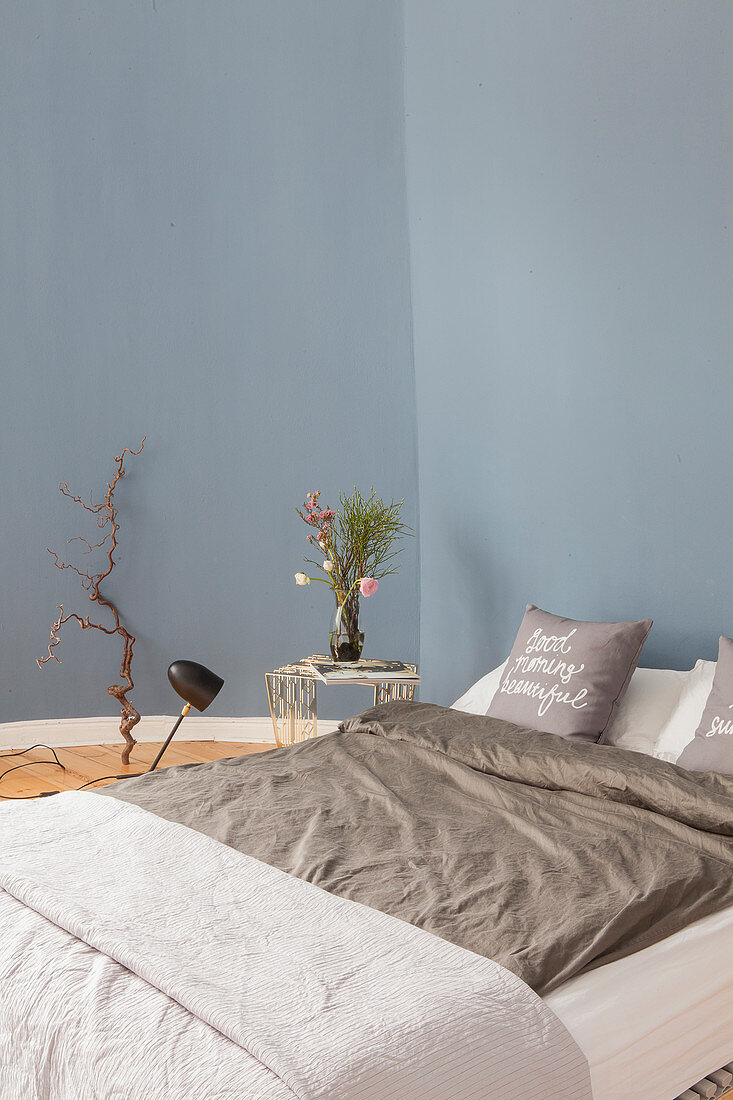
x: 292, y: 695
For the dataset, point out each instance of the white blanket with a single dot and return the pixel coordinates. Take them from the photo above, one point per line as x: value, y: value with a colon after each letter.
x: 325, y: 997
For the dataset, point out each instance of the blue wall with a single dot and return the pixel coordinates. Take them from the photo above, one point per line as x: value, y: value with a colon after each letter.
x: 569, y: 197
x: 203, y: 239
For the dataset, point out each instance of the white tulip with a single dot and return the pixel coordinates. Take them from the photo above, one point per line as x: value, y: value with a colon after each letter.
x: 301, y: 578
x: 328, y: 566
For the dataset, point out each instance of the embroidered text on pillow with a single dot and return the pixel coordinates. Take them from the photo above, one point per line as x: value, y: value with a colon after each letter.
x: 720, y: 725
x: 552, y: 667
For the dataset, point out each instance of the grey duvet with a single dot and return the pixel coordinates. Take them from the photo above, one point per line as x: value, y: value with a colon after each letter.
x: 550, y: 857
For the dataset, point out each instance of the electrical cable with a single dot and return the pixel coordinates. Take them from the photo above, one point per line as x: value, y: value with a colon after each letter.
x: 129, y: 775
x: 22, y: 752
x: 28, y: 764
x: 47, y: 794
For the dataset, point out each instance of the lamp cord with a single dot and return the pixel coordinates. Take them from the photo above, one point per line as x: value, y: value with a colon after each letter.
x: 47, y: 794
x: 101, y: 779
x: 27, y: 764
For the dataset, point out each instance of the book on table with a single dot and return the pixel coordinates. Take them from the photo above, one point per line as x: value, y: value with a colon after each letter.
x: 331, y: 672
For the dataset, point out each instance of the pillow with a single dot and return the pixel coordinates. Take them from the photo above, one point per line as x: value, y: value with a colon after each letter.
x: 652, y: 695
x: 711, y: 749
x: 680, y: 727
x: 477, y: 699
x: 568, y: 677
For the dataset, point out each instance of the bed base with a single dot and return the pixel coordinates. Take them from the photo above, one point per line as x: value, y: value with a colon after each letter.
x: 716, y: 1086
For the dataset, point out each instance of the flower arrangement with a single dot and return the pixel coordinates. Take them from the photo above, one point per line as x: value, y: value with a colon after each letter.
x: 359, y: 546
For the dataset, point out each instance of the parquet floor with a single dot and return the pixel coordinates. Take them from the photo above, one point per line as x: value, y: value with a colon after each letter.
x: 89, y: 762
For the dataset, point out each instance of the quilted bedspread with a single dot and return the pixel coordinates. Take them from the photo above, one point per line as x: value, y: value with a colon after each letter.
x: 140, y: 958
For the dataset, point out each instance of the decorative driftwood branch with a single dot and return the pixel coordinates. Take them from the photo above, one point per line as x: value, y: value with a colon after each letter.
x: 106, y: 516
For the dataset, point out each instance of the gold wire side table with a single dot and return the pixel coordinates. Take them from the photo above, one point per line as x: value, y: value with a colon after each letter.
x: 293, y: 699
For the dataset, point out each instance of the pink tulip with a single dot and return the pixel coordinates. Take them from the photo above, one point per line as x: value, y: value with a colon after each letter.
x: 368, y: 586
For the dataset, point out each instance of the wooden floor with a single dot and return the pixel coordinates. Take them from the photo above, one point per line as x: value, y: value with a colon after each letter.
x: 88, y: 762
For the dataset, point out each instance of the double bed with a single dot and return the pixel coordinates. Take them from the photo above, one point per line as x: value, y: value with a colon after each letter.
x: 426, y: 903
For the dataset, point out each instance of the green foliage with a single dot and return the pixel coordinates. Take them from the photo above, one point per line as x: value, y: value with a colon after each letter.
x: 360, y: 538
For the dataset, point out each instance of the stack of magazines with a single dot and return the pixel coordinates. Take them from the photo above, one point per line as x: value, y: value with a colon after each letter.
x: 331, y: 672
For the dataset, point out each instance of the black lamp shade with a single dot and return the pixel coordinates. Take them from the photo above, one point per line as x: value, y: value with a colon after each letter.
x: 195, y: 683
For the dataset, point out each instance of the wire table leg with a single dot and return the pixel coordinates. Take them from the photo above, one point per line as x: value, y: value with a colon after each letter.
x: 293, y: 707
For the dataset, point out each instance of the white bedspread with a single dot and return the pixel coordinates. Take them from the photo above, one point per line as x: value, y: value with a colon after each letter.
x: 258, y: 984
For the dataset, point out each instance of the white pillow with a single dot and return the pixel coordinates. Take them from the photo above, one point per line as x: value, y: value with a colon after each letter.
x: 650, y: 699
x: 477, y: 699
x: 680, y: 728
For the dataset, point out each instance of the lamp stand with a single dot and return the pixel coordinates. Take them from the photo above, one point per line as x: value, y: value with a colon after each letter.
x: 170, y: 737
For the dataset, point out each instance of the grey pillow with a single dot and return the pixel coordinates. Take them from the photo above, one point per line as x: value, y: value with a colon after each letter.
x: 711, y: 749
x: 568, y: 677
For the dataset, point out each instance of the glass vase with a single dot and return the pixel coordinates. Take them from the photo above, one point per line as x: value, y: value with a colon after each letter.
x: 346, y: 641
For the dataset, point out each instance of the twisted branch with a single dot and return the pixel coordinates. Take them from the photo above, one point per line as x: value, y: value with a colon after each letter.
x: 104, y: 513
x: 92, y: 546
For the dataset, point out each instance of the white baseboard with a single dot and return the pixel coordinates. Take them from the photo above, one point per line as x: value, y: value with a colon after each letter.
x: 67, y: 732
